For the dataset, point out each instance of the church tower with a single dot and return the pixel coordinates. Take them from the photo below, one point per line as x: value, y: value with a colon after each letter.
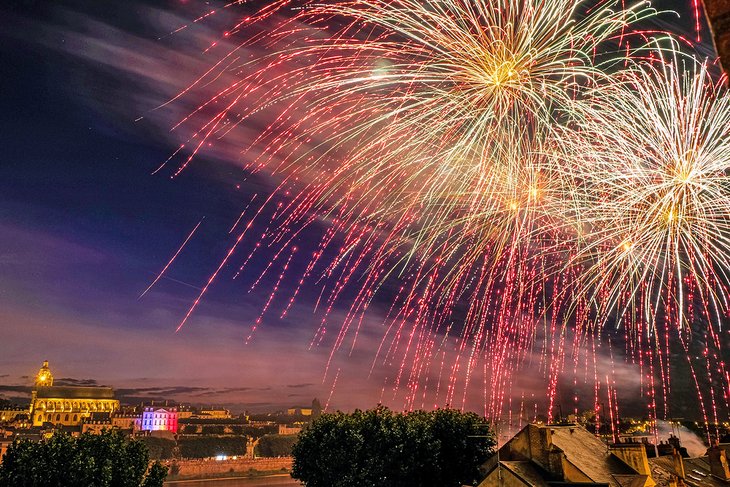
x: 44, y: 378
x: 67, y: 405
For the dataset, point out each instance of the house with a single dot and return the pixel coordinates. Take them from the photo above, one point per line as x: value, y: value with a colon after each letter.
x: 569, y: 455
x: 565, y: 454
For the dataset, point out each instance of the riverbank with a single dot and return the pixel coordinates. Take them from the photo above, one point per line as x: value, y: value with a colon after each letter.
x: 275, y: 480
x: 230, y: 467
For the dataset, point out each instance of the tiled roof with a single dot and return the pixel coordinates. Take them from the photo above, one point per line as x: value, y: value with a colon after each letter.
x: 67, y: 392
x: 589, y: 454
x: 527, y: 471
x: 697, y: 472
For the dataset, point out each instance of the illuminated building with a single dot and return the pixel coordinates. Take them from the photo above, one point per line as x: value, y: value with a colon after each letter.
x: 97, y: 423
x: 184, y: 412
x: 299, y: 411
x: 158, y: 420
x: 126, y: 421
x: 289, y: 430
x: 12, y: 414
x: 214, y: 414
x: 6, y: 439
x: 314, y: 410
x: 67, y: 405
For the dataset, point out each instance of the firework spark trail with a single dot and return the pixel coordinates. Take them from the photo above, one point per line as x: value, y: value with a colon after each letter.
x: 271, y: 297
x: 169, y: 263
x: 467, y: 151
x: 658, y: 225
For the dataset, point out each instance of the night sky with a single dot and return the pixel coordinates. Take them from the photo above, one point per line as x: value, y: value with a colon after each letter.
x: 85, y: 227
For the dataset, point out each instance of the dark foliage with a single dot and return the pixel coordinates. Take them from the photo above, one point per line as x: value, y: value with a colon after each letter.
x: 380, y: 448
x: 159, y: 448
x: 105, y: 460
x: 214, y: 430
x: 205, y: 447
x: 276, y: 445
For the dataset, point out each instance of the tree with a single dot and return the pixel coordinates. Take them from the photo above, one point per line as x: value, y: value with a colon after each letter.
x: 211, y: 446
x: 108, y: 459
x: 380, y: 448
x: 275, y: 445
x: 158, y: 448
x: 156, y: 476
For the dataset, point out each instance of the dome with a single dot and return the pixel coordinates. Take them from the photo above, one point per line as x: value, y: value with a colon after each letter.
x: 44, y: 378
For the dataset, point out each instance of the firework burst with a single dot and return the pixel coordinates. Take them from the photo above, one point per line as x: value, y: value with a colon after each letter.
x: 478, y: 154
x: 656, y: 214
x: 657, y: 208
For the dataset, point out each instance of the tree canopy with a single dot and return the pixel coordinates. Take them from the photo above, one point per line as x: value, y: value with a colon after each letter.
x: 382, y: 448
x: 275, y: 445
x: 109, y: 459
x: 211, y: 446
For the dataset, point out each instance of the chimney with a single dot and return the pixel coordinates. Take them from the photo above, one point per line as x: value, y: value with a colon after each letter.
x: 539, y: 444
x: 678, y: 464
x: 718, y: 463
x: 633, y: 455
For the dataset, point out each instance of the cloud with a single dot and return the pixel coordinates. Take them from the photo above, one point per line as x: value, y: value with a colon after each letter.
x: 16, y: 389
x: 210, y: 355
x: 67, y: 381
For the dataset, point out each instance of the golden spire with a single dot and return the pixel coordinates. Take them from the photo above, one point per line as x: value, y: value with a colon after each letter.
x: 44, y: 378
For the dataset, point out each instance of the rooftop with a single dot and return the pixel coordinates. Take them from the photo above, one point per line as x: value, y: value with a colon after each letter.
x: 76, y: 392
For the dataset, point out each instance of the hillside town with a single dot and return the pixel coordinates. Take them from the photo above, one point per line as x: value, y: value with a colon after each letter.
x: 198, y: 442
x: 170, y: 430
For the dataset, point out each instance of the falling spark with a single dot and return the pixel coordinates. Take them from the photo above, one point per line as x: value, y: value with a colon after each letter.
x: 169, y: 263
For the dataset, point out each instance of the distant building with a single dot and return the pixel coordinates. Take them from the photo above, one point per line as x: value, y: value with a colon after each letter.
x: 185, y: 412
x: 126, y: 421
x: 158, y: 419
x: 315, y: 410
x: 5, y: 441
x: 289, y: 430
x: 10, y: 414
x: 299, y: 411
x: 4, y: 444
x: 21, y: 421
x: 67, y: 405
x: 213, y: 413
x: 96, y: 423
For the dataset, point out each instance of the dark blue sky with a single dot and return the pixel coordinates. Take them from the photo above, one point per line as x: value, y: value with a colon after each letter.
x: 85, y: 227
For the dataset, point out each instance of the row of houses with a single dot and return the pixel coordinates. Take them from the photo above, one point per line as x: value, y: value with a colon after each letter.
x: 568, y: 455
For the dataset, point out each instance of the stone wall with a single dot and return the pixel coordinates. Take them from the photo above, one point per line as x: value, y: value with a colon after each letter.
x: 213, y: 468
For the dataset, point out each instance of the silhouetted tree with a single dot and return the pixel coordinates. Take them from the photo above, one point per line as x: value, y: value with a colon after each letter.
x: 211, y: 446
x: 108, y: 459
x: 158, y: 448
x: 275, y: 445
x: 380, y: 448
x: 156, y: 475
